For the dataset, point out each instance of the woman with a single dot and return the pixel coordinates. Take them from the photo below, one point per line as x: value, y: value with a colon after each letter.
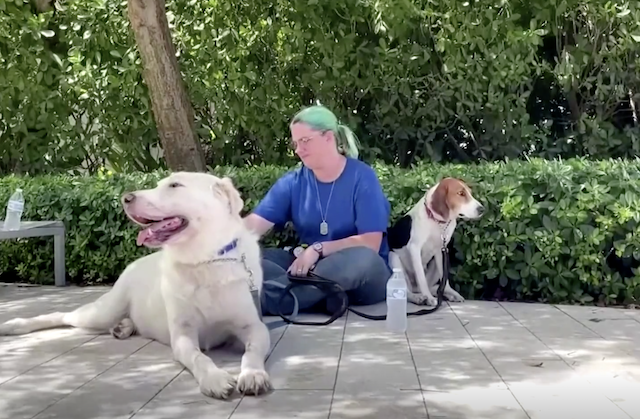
x: 339, y: 211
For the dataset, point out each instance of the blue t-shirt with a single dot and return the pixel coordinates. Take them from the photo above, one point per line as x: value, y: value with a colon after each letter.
x: 358, y: 204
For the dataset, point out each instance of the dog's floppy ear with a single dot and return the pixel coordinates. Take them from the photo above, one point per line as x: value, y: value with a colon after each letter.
x: 439, y: 200
x: 225, y: 185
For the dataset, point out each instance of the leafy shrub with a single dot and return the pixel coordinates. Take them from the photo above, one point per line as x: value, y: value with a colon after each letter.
x: 418, y: 80
x: 559, y: 231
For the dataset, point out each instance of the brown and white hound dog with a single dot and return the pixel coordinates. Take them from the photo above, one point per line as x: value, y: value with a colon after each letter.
x: 416, y: 239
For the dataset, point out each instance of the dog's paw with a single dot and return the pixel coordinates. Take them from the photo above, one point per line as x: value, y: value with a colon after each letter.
x: 217, y: 383
x: 453, y: 296
x: 422, y: 300
x: 253, y: 382
x: 124, y: 329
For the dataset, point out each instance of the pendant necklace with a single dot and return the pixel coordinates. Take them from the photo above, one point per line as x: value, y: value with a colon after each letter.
x: 324, y: 227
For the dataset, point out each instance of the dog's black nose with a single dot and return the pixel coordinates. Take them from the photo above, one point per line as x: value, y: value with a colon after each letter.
x: 128, y: 198
x: 481, y: 210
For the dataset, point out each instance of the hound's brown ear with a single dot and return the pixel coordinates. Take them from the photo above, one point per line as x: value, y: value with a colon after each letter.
x: 233, y: 196
x: 439, y: 200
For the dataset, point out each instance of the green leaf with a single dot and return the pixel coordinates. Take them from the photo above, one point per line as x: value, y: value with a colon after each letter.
x: 512, y: 274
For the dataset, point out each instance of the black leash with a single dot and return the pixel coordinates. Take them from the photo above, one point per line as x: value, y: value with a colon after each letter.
x: 333, y: 288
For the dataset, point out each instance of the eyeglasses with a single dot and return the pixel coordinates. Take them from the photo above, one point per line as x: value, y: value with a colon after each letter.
x: 304, y: 140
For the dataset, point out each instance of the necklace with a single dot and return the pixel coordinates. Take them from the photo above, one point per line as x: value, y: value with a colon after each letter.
x: 324, y: 227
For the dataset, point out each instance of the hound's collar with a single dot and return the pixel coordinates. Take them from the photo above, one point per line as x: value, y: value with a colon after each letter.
x: 242, y: 259
x: 229, y: 247
x: 222, y: 252
x: 431, y: 215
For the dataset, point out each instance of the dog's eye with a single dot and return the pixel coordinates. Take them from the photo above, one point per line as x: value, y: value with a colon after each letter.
x: 174, y: 185
x: 461, y: 193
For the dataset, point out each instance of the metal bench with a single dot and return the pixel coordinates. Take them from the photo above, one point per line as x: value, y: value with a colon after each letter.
x: 42, y: 229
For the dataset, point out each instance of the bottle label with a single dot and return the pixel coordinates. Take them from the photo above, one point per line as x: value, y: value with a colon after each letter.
x: 15, y: 206
x: 398, y: 293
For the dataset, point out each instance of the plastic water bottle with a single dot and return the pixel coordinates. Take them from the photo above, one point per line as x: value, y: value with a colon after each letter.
x: 15, y: 207
x: 397, y: 302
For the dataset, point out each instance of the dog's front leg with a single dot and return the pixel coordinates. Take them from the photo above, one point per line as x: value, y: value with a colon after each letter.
x: 449, y: 293
x: 421, y: 280
x: 213, y: 381
x: 253, y: 378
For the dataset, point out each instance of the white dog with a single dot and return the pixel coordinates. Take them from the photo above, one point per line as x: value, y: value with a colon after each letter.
x: 193, y: 294
x: 416, y: 239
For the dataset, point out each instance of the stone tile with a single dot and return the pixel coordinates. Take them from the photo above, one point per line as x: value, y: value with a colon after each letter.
x: 473, y: 403
x: 397, y: 404
x: 32, y: 301
x: 374, y: 360
x: 19, y: 354
x: 552, y: 389
x: 122, y: 390
x: 533, y: 372
x: 474, y: 359
x: 620, y: 383
x: 565, y: 400
x: 281, y: 404
x: 61, y: 376
x: 609, y: 323
x: 514, y: 348
x: 634, y: 314
x: 488, y: 319
x: 436, y: 327
x: 182, y: 398
x: 545, y: 320
x: 306, y: 358
x: 574, y: 350
x: 456, y: 369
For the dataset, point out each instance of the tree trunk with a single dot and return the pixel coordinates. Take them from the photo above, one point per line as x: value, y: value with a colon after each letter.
x: 170, y: 103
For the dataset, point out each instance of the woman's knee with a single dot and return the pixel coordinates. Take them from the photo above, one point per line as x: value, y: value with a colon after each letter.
x: 354, y: 266
x: 279, y: 257
x: 365, y: 259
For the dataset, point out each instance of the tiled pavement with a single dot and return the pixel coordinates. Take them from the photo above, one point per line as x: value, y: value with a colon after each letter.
x: 469, y: 360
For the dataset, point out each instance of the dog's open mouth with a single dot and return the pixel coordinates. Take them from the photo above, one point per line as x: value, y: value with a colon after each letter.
x: 156, y: 232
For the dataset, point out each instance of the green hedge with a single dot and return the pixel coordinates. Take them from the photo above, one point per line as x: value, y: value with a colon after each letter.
x: 551, y: 231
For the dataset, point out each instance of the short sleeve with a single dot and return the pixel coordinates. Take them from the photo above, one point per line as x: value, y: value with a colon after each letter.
x: 276, y: 204
x: 372, y: 207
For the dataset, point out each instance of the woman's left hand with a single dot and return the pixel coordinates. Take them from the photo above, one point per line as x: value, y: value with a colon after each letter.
x: 304, y: 262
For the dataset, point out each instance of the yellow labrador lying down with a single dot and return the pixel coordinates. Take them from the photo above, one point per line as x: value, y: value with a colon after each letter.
x: 194, y: 293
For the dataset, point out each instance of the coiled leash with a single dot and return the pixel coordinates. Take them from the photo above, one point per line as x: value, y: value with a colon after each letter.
x: 331, y: 288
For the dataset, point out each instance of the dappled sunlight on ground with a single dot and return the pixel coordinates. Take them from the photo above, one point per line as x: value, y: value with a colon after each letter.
x: 474, y: 359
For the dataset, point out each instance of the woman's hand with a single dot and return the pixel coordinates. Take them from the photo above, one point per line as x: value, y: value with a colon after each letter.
x: 304, y: 262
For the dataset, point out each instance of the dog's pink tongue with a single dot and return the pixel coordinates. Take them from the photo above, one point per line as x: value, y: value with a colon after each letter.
x: 149, y: 233
x: 144, y: 236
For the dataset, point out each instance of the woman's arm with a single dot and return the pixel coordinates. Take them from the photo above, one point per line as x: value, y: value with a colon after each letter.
x: 371, y: 240
x: 274, y: 208
x: 257, y: 224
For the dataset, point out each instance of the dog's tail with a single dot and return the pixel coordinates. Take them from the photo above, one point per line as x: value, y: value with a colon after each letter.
x: 97, y: 316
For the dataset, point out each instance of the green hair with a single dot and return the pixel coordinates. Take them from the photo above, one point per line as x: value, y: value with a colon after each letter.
x: 320, y: 118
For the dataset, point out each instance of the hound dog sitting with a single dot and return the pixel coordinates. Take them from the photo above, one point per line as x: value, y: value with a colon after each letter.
x: 416, y: 239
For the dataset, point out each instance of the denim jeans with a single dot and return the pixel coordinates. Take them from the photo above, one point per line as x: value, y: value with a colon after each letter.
x: 359, y: 270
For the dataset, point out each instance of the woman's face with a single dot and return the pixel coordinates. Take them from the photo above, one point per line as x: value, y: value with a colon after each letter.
x: 310, y: 145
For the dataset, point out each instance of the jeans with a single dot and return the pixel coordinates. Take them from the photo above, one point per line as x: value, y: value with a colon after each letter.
x: 360, y: 271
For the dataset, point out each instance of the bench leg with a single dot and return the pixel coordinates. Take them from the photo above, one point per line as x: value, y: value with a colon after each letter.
x: 59, y: 260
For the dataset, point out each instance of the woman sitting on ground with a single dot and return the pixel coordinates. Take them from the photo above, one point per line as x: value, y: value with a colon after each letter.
x: 338, y: 209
